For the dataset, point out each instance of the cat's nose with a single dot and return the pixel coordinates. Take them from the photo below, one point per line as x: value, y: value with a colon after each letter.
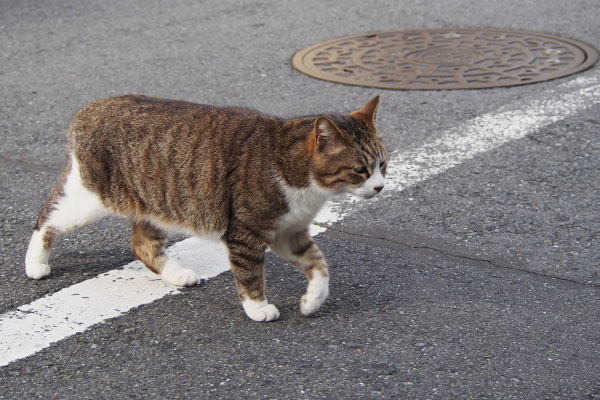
x: 378, y: 188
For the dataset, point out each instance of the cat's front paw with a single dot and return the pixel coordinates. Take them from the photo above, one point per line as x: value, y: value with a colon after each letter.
x: 36, y: 270
x: 176, y: 275
x: 316, y: 293
x: 310, y: 305
x: 260, y: 311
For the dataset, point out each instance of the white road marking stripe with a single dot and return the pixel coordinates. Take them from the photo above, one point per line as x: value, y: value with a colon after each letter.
x: 485, y: 133
x: 74, y: 309
x: 33, y: 327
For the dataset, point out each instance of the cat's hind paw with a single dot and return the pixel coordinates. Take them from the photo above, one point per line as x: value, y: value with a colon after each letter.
x: 176, y: 275
x: 260, y: 311
x: 36, y: 270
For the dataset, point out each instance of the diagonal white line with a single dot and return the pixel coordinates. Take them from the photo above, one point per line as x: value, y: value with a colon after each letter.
x: 35, y: 326
x: 485, y: 133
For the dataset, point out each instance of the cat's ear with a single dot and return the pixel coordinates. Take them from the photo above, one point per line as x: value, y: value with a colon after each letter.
x: 369, y: 112
x: 327, y: 136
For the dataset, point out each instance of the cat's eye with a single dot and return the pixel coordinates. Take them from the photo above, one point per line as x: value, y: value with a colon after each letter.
x: 361, y: 170
x: 381, y: 164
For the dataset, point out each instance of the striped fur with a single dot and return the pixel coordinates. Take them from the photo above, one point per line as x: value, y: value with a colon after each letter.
x: 250, y: 179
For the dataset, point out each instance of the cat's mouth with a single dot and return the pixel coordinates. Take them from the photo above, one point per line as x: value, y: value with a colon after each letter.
x: 367, y: 194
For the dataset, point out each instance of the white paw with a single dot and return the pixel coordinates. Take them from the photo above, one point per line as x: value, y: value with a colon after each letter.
x: 260, y: 311
x: 176, y: 275
x: 316, y: 293
x: 36, y: 258
x: 36, y: 270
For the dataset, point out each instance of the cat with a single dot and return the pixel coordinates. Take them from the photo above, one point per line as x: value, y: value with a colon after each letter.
x: 251, y: 180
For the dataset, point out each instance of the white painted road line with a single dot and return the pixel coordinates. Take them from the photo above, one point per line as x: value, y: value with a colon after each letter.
x: 74, y: 309
x: 485, y: 133
x: 33, y: 327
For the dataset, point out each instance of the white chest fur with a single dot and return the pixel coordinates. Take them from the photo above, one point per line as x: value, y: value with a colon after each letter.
x: 303, y: 204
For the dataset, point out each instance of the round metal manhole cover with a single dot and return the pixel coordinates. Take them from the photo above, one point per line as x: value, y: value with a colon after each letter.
x: 444, y: 59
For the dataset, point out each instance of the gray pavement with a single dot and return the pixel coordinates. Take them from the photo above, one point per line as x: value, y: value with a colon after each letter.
x: 481, y: 282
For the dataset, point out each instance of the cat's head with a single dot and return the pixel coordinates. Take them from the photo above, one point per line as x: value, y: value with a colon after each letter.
x: 348, y: 154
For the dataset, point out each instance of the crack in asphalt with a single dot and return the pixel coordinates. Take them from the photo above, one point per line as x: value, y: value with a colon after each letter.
x: 465, y: 257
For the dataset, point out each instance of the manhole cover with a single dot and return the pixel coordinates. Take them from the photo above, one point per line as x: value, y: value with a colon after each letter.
x: 444, y: 59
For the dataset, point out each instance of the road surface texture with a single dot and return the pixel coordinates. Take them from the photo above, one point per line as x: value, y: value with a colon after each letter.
x: 476, y: 279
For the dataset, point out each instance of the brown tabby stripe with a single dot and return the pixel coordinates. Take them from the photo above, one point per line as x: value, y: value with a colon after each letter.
x: 148, y: 244
x: 245, y: 258
x: 308, y: 254
x: 302, y: 249
x: 49, y: 237
x: 251, y: 283
x: 55, y: 195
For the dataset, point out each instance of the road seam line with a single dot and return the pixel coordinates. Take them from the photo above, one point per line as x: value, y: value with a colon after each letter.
x: 466, y: 257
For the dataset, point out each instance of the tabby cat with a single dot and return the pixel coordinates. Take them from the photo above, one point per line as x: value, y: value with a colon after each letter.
x: 251, y: 180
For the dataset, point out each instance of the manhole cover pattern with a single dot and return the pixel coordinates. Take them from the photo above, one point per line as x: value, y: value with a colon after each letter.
x: 444, y: 59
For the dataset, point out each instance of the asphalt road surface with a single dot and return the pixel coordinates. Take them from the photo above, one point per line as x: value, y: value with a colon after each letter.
x: 474, y: 278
